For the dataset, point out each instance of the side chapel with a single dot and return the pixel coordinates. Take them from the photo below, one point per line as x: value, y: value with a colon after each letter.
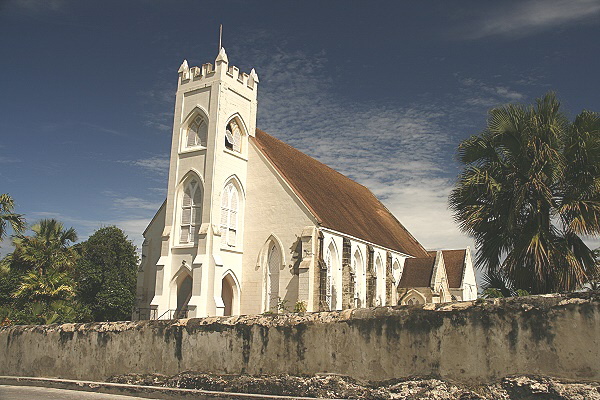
x: 252, y: 225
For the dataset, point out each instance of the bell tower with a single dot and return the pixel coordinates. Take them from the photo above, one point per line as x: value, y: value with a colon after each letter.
x: 199, y: 270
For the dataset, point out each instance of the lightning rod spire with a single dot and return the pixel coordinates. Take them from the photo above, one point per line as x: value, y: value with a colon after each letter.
x: 220, y: 36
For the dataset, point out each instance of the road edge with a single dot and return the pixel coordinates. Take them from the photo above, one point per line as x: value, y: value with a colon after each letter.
x: 148, y: 392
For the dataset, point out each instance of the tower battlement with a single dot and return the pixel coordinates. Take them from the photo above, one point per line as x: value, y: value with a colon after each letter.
x: 220, y: 70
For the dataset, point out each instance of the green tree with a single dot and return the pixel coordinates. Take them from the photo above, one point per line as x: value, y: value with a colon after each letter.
x: 38, y: 280
x: 49, y: 248
x: 529, y: 192
x: 107, y: 274
x: 45, y: 287
x: 8, y: 217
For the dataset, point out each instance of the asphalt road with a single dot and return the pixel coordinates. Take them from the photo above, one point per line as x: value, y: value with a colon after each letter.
x: 40, y: 393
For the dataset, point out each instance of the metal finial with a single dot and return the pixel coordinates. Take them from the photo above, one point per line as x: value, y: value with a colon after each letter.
x: 220, y: 36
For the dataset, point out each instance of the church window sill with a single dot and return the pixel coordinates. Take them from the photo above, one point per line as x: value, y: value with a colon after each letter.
x: 232, y: 250
x: 235, y: 154
x: 184, y: 246
x: 192, y: 149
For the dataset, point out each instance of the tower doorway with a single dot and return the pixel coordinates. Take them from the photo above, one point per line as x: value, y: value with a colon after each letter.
x: 184, y: 293
x: 227, y: 294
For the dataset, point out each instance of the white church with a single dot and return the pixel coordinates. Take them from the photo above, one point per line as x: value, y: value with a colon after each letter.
x: 251, y: 225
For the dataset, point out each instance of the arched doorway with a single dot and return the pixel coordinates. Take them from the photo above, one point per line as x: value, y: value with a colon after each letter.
x: 228, y: 294
x: 184, y: 293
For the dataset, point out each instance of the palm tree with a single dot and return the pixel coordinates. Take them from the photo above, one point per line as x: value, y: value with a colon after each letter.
x: 7, y: 216
x: 49, y: 248
x: 45, y: 287
x: 529, y: 192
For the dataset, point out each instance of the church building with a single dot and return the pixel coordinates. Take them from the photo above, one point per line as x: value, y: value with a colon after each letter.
x: 251, y: 225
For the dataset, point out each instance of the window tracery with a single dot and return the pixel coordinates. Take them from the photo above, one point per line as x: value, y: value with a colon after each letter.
x: 197, y: 132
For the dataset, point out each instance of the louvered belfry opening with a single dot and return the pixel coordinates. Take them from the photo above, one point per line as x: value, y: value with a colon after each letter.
x: 191, y: 212
x: 197, y: 132
x: 233, y: 136
x: 229, y: 215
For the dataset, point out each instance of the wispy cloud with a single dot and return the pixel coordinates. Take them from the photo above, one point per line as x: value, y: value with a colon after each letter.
x: 154, y: 164
x: 38, y: 5
x: 103, y: 129
x: 133, y: 227
x: 157, y: 99
x: 135, y: 203
x: 162, y: 122
x: 482, y: 94
x: 515, y: 19
x: 87, y: 126
x: 399, y: 151
x: 7, y: 160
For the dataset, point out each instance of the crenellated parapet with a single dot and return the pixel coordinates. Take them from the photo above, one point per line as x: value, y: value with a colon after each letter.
x: 220, y: 70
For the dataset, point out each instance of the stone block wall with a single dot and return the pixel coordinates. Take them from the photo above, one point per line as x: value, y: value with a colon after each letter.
x: 474, y: 342
x: 347, y: 276
x: 389, y: 281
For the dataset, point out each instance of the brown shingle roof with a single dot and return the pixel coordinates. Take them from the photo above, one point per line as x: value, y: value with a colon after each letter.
x: 454, y: 260
x: 335, y: 200
x: 417, y: 272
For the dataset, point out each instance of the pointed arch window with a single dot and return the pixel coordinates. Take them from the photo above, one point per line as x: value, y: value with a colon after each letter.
x: 197, y: 132
x: 329, y: 280
x: 233, y: 136
x: 332, y: 263
x: 272, y: 286
x: 191, y: 212
x: 380, y: 282
x: 359, y: 272
x: 229, y: 215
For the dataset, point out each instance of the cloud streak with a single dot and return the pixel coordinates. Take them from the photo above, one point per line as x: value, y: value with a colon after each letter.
x: 133, y: 227
x: 154, y: 164
x: 135, y: 203
x: 9, y: 160
x: 400, y: 152
x: 532, y: 16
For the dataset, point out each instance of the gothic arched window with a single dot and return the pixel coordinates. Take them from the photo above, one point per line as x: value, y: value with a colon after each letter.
x: 359, y: 277
x: 332, y: 263
x: 191, y: 212
x: 272, y: 272
x: 197, y: 132
x: 329, y: 280
x: 233, y: 136
x: 229, y: 215
x: 380, y: 282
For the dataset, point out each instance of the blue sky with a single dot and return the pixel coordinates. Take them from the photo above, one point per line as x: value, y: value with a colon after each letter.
x: 381, y: 91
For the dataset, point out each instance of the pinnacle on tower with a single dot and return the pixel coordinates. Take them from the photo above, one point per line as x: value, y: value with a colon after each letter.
x: 222, y: 56
x: 254, y: 75
x: 184, y: 67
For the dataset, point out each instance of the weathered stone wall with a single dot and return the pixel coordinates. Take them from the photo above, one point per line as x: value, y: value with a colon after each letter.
x: 469, y: 342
